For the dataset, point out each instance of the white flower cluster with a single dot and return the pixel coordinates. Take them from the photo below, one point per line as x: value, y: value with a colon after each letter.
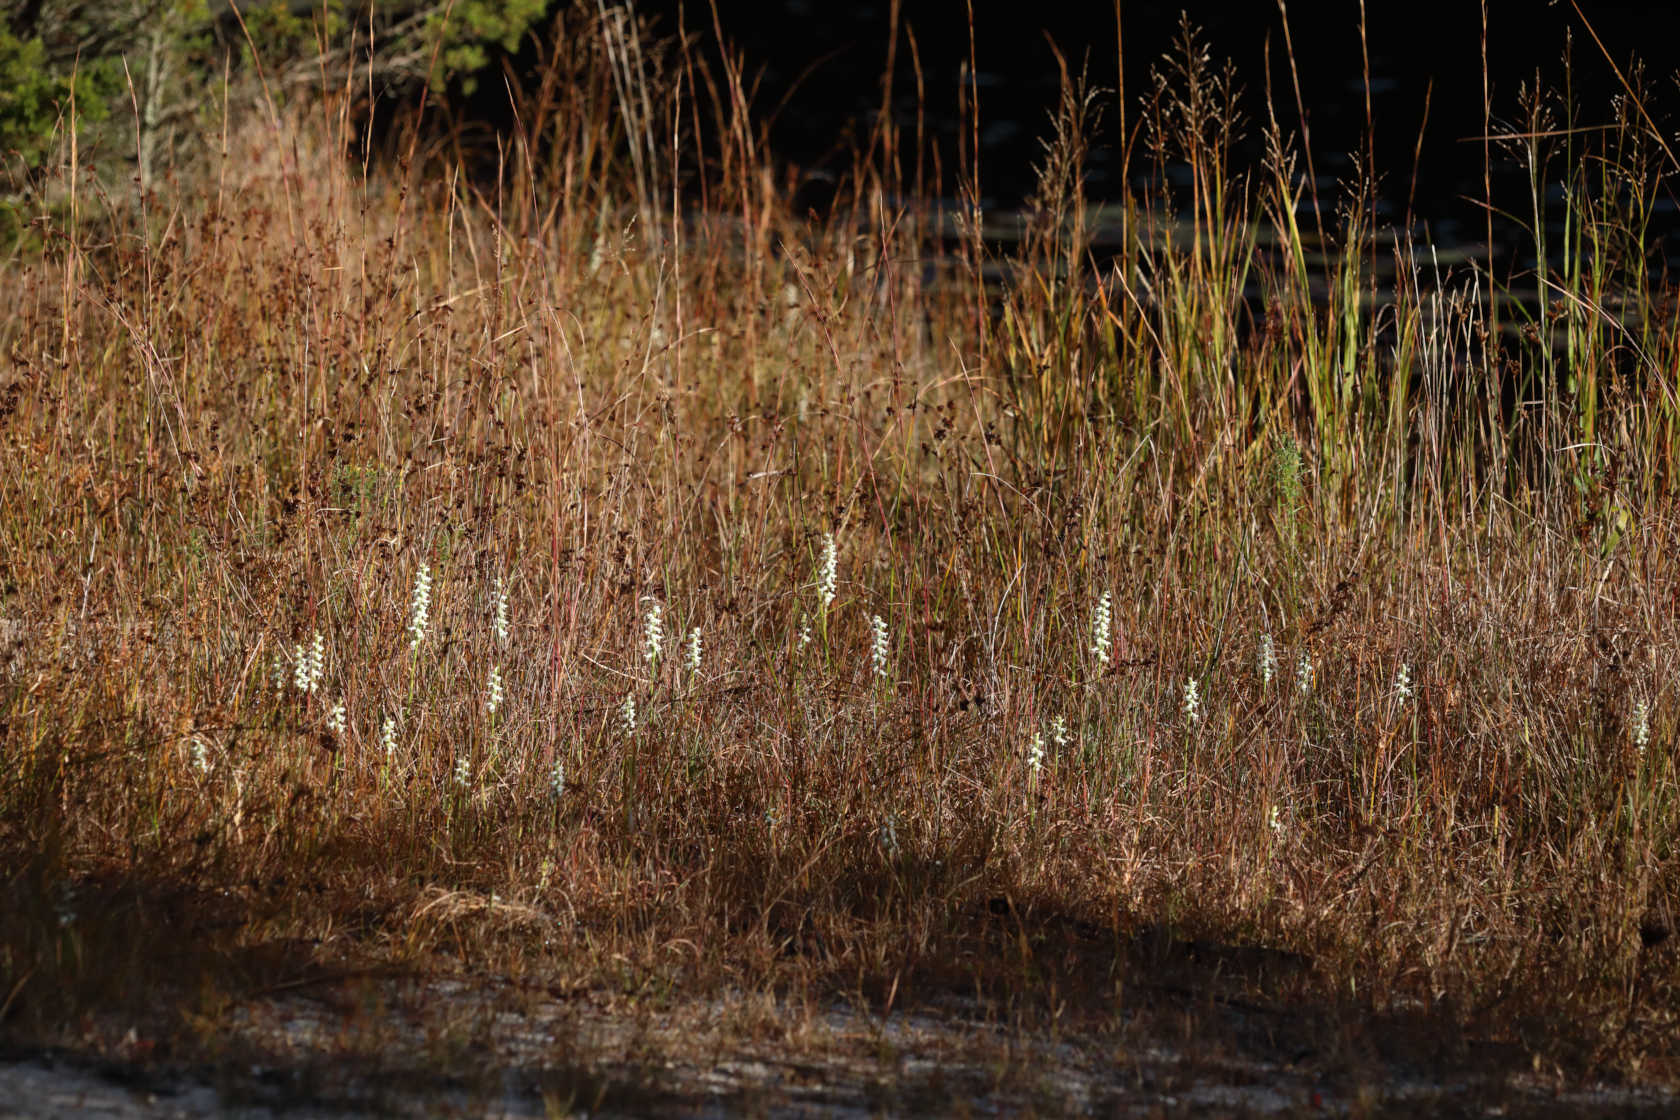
x: 1035, y: 754
x: 627, y: 714
x: 501, y: 615
x: 493, y: 690
x: 1267, y: 659
x: 878, y: 646
x: 1101, y: 619
x: 828, y: 572
x: 1304, y: 675
x: 420, y: 607
x: 889, y: 835
x: 653, y: 633
x: 1641, y: 725
x: 1192, y: 701
x: 694, y: 651
x: 388, y: 737
x: 1403, y: 683
x: 309, y: 664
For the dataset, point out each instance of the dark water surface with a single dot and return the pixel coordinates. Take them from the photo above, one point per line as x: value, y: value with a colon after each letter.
x: 821, y: 66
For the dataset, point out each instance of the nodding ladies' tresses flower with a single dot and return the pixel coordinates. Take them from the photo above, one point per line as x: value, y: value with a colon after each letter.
x: 1035, y: 754
x: 1273, y: 821
x: 277, y: 676
x: 1100, y: 621
x: 1403, y: 683
x: 493, y: 690
x: 653, y: 632
x: 1059, y: 733
x: 500, y: 620
x: 828, y: 572
x: 804, y: 631
x: 420, y: 608
x: 1192, y: 701
x: 300, y: 667
x: 627, y: 714
x: 463, y: 773
x: 889, y: 835
x: 694, y: 650
x: 878, y: 644
x: 338, y: 719
x: 1267, y: 659
x: 317, y: 662
x: 1304, y: 675
x: 557, y: 780
x: 1641, y: 725
x: 388, y: 736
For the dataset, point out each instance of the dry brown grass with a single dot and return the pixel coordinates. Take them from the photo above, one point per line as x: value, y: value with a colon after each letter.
x: 249, y: 414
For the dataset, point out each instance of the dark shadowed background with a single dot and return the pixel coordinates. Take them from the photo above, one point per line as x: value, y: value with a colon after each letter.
x: 820, y: 67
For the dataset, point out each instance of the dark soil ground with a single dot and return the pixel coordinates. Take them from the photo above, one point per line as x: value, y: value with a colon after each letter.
x: 1211, y: 1031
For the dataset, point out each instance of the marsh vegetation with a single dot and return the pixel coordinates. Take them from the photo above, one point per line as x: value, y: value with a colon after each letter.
x: 408, y: 569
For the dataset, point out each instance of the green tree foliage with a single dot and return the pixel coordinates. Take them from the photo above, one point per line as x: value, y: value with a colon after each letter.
x: 146, y: 73
x: 34, y: 94
x: 472, y: 27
